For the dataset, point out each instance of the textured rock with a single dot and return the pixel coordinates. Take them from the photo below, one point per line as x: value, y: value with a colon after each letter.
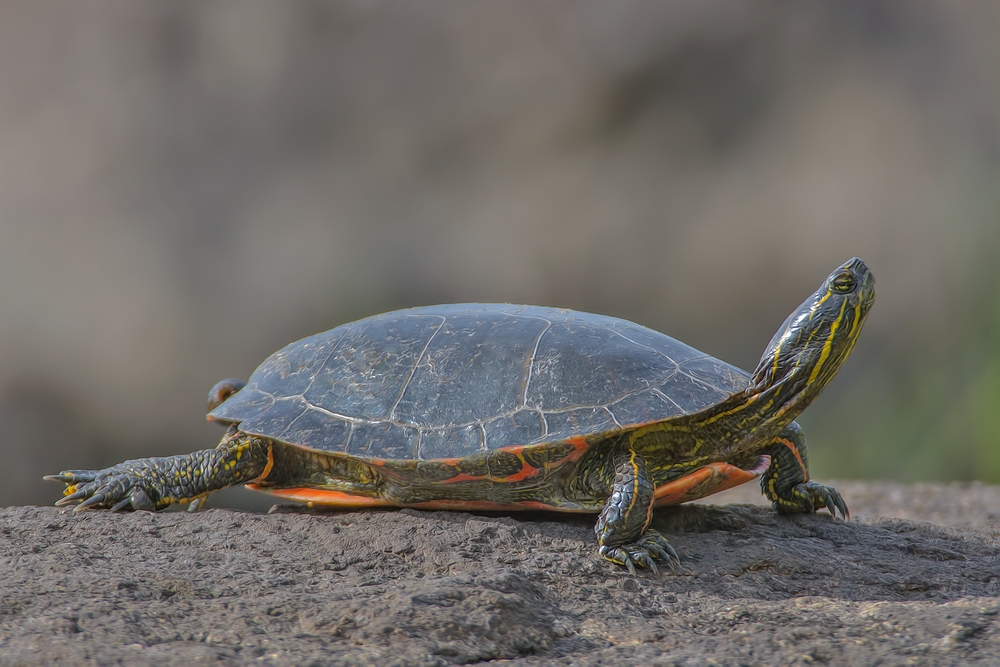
x: 434, y: 588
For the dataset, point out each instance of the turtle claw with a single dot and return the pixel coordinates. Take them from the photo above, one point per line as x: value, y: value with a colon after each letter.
x: 94, y: 500
x: 808, y: 497
x: 838, y: 502
x: 196, y: 503
x: 72, y: 476
x: 72, y: 497
x: 648, y: 562
x: 119, y: 506
x: 665, y: 553
x: 113, y: 489
x: 630, y: 564
x: 643, y: 552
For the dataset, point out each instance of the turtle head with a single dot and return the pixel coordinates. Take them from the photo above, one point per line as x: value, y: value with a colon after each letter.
x: 808, y: 349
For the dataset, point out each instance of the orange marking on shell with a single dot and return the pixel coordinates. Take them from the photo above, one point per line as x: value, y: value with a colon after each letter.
x: 323, y: 497
x: 580, y: 446
x: 713, y: 478
x: 343, y: 499
x: 449, y: 462
x: 463, y: 477
x: 526, y: 472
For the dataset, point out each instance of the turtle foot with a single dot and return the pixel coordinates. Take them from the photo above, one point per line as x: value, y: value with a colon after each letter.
x: 809, y: 497
x: 116, y: 488
x: 644, y: 552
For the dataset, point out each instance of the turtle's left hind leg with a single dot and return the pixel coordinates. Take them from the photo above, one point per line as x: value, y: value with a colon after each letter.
x: 786, y: 482
x: 154, y: 483
x: 621, y: 525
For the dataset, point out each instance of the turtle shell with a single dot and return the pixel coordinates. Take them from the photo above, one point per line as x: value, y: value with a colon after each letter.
x: 455, y: 380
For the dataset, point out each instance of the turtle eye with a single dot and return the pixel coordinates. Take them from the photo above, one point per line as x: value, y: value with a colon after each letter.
x: 844, y: 282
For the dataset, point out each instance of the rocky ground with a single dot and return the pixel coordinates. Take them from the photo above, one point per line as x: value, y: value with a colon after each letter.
x: 437, y: 588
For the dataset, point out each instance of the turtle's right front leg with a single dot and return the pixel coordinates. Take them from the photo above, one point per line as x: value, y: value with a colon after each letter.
x: 622, y: 524
x: 154, y: 483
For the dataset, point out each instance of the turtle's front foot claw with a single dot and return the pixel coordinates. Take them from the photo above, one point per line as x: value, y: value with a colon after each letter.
x: 643, y: 552
x: 809, y: 497
x: 73, y: 476
x: 103, y: 488
x: 197, y: 502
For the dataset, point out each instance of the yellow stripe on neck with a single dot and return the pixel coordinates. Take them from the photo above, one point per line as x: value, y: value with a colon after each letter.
x: 828, y: 345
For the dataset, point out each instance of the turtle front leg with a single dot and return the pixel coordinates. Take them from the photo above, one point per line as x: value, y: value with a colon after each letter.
x: 621, y: 525
x: 154, y: 483
x: 786, y: 482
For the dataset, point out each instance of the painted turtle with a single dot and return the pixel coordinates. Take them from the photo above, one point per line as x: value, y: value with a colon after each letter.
x: 504, y: 407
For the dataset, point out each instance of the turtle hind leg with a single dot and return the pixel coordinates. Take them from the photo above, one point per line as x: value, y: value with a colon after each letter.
x: 621, y: 525
x: 155, y: 483
x: 786, y: 482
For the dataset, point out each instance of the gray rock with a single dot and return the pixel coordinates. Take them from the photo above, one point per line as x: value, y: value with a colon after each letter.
x: 438, y: 588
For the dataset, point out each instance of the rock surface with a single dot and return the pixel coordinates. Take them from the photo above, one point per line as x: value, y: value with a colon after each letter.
x: 438, y: 588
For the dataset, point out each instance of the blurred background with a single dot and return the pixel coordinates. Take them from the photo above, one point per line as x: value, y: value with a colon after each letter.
x: 185, y: 187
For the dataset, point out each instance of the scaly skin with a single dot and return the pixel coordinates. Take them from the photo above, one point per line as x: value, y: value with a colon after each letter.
x: 786, y: 482
x: 155, y: 483
x: 621, y: 525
